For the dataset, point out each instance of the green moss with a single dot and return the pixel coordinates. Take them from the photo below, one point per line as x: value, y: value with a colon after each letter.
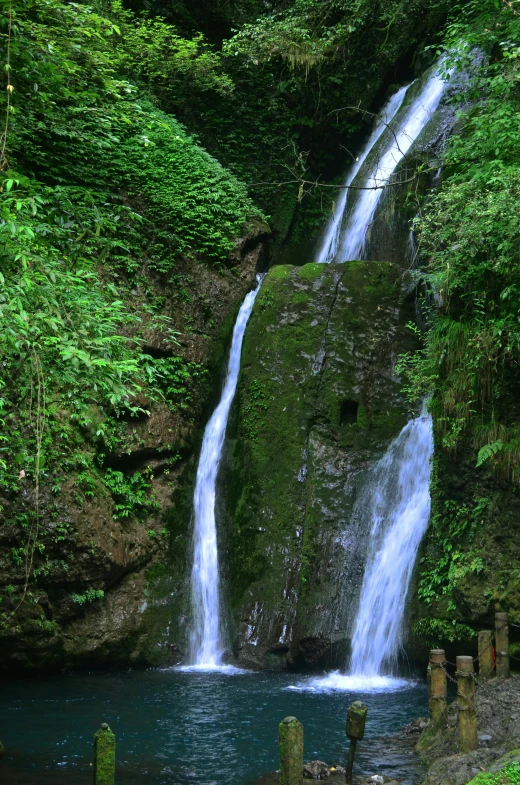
x: 509, y: 775
x: 104, y: 756
x: 290, y: 740
x: 279, y: 272
x: 310, y: 271
x: 300, y: 297
x: 317, y: 335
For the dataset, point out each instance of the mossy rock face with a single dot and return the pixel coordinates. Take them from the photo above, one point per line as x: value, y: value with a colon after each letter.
x: 317, y: 405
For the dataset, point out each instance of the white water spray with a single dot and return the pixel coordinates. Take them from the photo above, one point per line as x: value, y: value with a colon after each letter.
x: 329, y: 246
x: 206, y: 638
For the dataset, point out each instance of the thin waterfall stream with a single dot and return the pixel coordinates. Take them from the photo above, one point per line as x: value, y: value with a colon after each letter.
x: 207, y: 645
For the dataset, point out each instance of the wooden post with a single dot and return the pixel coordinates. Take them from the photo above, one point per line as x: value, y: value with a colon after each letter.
x: 485, y: 654
x: 438, y: 688
x: 502, y: 645
x: 104, y: 756
x: 466, y: 697
x: 290, y: 739
x: 355, y: 730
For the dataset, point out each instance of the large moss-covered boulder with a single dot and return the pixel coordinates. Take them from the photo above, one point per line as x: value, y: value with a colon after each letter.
x: 318, y: 403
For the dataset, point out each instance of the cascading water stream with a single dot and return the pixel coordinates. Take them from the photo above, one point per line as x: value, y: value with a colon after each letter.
x: 396, y: 500
x: 329, y: 246
x: 206, y: 638
x: 400, y: 511
x: 347, y: 233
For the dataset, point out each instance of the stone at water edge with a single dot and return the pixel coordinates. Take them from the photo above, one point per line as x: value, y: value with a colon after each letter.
x: 2, y: 749
x: 316, y: 770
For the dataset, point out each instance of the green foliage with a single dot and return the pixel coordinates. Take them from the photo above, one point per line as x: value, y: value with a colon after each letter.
x: 453, y: 552
x: 151, y: 52
x: 122, y: 194
x: 196, y: 205
x: 509, y: 775
x: 308, y: 31
x: 437, y: 631
x: 88, y: 596
x: 132, y: 494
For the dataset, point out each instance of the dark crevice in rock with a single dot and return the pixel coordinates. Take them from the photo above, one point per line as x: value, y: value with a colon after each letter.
x: 139, y: 458
x: 348, y: 412
x: 158, y: 353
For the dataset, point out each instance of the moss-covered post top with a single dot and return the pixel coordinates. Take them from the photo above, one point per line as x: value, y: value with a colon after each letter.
x: 290, y: 739
x: 104, y: 756
x: 356, y: 718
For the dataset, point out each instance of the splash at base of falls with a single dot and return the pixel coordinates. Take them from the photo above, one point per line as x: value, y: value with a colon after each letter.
x: 226, y: 670
x: 341, y: 682
x: 396, y: 502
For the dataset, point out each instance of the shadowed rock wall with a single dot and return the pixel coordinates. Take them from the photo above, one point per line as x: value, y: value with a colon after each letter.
x: 318, y: 403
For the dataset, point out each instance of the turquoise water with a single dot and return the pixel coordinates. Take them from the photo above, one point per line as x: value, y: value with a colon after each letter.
x: 192, y: 728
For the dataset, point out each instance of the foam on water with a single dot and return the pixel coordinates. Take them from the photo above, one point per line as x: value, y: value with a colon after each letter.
x: 341, y: 682
x: 226, y: 670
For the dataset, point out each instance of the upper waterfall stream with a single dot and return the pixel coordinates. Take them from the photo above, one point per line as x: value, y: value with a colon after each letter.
x: 206, y: 637
x: 397, y: 127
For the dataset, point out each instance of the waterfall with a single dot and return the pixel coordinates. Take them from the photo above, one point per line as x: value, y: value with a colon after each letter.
x: 396, y: 502
x: 399, y: 512
x: 206, y: 638
x: 329, y: 246
x: 346, y: 235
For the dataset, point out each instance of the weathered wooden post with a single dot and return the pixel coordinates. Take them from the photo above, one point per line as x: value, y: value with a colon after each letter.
x: 290, y: 739
x: 502, y: 645
x: 466, y: 697
x: 104, y: 756
x: 438, y: 687
x: 355, y: 730
x: 485, y: 654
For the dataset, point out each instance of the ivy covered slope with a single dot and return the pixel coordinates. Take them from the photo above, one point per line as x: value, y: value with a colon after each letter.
x: 120, y: 275
x: 469, y: 241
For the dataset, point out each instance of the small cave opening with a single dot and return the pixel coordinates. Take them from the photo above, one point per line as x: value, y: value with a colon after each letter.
x: 348, y: 412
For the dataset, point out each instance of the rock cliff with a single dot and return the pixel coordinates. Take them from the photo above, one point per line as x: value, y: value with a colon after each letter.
x: 317, y: 405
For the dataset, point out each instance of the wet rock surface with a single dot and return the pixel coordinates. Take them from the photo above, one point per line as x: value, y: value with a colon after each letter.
x: 317, y: 405
x: 498, y: 718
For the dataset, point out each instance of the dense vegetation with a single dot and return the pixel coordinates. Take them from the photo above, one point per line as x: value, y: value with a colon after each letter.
x: 141, y: 139
x: 101, y: 193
